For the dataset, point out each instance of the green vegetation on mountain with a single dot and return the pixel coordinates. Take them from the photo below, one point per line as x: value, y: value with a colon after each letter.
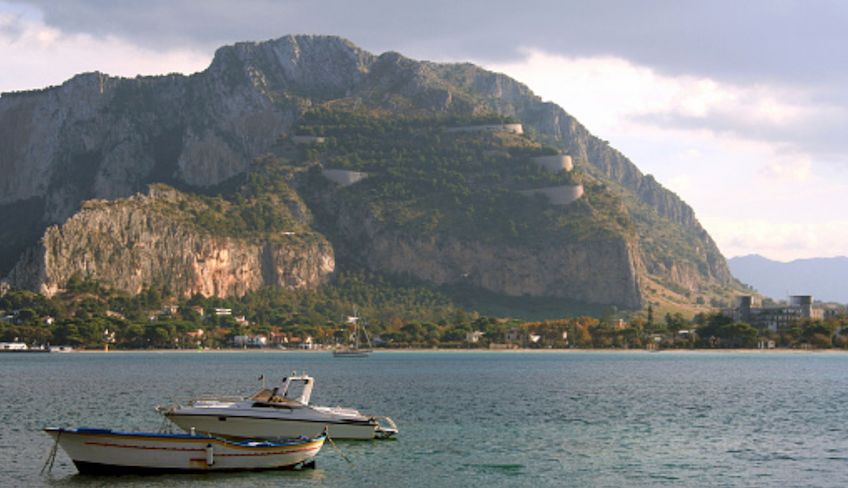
x: 424, y: 179
x: 265, y: 205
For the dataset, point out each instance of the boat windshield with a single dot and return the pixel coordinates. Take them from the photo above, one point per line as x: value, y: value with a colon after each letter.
x: 262, y: 395
x: 272, y: 397
x: 294, y: 392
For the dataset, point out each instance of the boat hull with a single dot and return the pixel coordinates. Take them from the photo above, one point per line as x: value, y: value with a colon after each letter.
x: 109, y: 469
x: 103, y: 451
x: 244, y: 427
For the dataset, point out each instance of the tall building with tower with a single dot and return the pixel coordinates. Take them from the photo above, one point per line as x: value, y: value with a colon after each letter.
x: 774, y: 317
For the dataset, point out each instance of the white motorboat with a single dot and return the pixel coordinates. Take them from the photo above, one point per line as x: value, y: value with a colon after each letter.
x: 104, y: 451
x: 274, y: 413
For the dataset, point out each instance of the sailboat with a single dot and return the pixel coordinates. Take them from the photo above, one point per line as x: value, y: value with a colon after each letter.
x: 354, y: 350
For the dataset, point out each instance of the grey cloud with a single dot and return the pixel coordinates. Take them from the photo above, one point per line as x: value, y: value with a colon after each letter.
x: 753, y: 40
x: 11, y: 28
x: 822, y: 138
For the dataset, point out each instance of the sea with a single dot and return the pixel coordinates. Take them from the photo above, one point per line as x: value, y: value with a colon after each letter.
x: 467, y: 419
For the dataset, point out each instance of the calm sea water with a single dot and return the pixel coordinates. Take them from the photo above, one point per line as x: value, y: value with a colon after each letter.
x: 472, y: 419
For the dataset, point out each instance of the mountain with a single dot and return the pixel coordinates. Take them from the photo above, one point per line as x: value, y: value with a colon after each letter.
x: 445, y: 205
x: 824, y: 278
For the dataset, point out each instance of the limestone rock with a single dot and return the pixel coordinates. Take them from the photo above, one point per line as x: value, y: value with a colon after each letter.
x: 138, y: 242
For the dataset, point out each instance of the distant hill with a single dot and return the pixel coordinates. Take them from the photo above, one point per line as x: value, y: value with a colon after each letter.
x: 824, y: 278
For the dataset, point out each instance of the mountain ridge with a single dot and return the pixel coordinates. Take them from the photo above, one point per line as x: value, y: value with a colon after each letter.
x: 203, y: 129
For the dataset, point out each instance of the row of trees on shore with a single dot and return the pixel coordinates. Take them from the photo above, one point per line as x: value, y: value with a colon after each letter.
x: 88, y: 315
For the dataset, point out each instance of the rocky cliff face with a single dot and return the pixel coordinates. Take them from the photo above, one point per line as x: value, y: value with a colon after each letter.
x: 98, y: 136
x: 591, y: 272
x: 142, y: 241
x: 601, y: 271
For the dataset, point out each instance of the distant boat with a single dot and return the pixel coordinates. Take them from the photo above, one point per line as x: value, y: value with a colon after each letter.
x: 104, y: 451
x: 353, y: 350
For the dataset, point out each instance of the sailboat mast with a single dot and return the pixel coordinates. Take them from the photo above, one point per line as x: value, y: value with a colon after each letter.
x: 356, y: 335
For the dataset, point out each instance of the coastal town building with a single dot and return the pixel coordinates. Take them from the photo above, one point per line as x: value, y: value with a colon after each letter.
x: 774, y: 317
x: 250, y: 341
x: 831, y: 310
x: 514, y: 335
x: 474, y: 336
x: 195, y: 334
x: 278, y: 338
x: 305, y: 343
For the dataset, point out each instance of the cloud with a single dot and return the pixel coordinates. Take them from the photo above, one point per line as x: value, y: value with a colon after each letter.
x: 10, y: 26
x: 28, y: 46
x: 796, y: 169
x: 793, y: 119
x: 724, y: 39
x: 784, y: 241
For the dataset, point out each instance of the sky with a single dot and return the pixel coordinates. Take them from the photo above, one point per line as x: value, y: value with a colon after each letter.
x: 738, y: 107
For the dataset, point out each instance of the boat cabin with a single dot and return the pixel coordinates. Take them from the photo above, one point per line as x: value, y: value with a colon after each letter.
x: 294, y: 392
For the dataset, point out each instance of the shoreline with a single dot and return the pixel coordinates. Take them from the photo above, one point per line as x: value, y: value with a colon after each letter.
x: 452, y: 350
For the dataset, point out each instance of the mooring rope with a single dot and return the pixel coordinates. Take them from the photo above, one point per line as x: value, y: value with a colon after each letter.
x: 48, y: 464
x: 339, y: 450
x: 165, y: 427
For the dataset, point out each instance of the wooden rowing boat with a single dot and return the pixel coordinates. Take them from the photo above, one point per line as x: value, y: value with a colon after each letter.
x: 104, y: 451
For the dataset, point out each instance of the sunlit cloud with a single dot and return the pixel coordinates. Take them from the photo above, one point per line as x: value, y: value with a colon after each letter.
x: 792, y: 168
x: 608, y: 92
x: 784, y: 241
